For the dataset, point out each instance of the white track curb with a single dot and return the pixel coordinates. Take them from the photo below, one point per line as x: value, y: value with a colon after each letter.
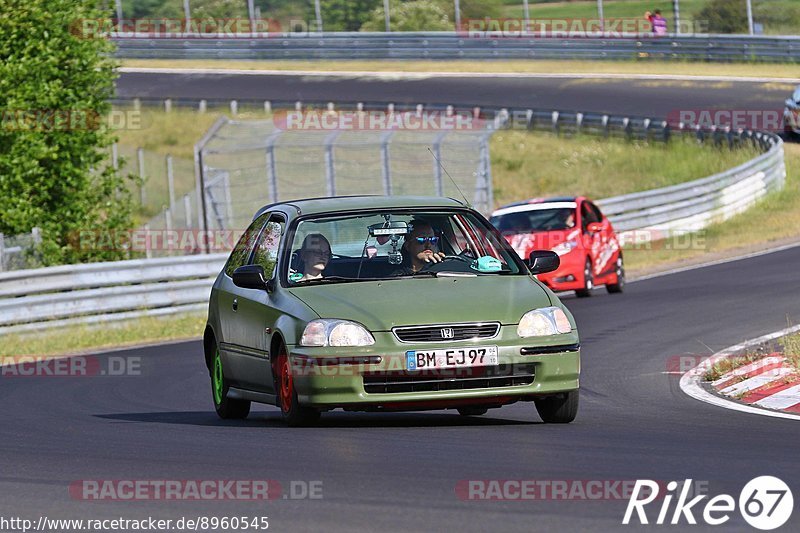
x: 690, y: 381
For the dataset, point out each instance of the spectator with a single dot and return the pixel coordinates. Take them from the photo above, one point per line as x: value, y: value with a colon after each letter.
x: 659, y: 23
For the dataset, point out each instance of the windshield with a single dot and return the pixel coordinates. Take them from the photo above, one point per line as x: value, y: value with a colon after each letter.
x: 535, y: 220
x: 393, y: 245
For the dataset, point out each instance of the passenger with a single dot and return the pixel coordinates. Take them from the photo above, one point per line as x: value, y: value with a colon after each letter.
x: 314, y: 255
x: 420, y: 248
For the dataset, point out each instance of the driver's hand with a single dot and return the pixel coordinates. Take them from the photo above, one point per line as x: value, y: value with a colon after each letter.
x: 435, y: 257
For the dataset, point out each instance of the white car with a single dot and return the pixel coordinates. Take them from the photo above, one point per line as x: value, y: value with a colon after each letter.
x: 791, y: 114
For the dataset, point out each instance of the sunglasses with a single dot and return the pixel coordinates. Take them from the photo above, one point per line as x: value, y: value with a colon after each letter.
x: 423, y: 240
x: 324, y: 255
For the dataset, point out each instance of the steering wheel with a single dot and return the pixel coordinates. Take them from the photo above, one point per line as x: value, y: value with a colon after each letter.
x: 440, y: 266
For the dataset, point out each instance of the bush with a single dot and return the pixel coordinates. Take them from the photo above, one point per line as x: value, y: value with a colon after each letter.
x: 55, y: 175
x: 347, y: 15
x: 420, y: 15
x: 725, y: 16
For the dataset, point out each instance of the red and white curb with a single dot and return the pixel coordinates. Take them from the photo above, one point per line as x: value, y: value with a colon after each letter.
x: 765, y: 387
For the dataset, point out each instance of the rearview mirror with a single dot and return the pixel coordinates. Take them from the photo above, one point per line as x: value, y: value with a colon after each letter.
x: 250, y: 277
x: 541, y: 261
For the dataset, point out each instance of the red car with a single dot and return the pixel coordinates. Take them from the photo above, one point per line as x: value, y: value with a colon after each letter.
x: 577, y: 231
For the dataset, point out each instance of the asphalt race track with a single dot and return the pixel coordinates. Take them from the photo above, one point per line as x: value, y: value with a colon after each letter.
x: 656, y: 98
x: 398, y: 472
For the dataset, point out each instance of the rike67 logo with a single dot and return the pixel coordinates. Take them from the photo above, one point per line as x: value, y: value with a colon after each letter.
x: 765, y: 503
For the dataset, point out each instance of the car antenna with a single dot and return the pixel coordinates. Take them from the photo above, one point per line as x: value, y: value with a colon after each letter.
x: 449, y: 176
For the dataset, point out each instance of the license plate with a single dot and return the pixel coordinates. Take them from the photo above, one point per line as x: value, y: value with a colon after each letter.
x: 451, y: 358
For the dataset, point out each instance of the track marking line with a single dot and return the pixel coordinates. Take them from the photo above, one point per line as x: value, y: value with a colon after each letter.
x: 393, y: 75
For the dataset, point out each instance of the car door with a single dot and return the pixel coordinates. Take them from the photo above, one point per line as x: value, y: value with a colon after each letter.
x: 255, y: 314
x: 605, y: 244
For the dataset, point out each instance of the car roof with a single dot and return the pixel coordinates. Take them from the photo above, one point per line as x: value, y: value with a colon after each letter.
x: 335, y: 204
x: 538, y: 201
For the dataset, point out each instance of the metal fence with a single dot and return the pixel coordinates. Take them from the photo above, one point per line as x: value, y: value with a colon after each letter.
x: 242, y: 165
x: 97, y: 293
x: 18, y: 251
x: 462, y: 45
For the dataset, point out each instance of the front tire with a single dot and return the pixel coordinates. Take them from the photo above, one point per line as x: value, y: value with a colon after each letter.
x: 472, y: 411
x: 619, y: 286
x: 294, y: 414
x: 561, y: 409
x: 588, y: 281
x: 226, y: 408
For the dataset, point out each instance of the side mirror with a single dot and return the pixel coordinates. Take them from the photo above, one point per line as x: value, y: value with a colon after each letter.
x: 594, y: 227
x: 250, y: 277
x: 541, y: 261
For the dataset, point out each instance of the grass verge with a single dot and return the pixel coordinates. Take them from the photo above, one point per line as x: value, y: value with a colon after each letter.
x: 84, y: 338
x: 532, y: 164
x: 775, y: 219
x: 543, y: 66
x: 791, y: 349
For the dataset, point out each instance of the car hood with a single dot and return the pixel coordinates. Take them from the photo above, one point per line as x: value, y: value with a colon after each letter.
x: 382, y: 305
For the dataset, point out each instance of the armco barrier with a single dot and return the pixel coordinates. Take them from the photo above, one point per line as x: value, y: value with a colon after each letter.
x: 100, y: 292
x: 463, y: 45
x: 68, y: 295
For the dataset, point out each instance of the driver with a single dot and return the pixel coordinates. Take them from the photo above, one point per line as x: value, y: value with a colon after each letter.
x: 314, y: 254
x: 420, y: 248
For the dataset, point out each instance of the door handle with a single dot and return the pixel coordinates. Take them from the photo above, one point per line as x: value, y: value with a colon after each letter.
x: 235, y: 304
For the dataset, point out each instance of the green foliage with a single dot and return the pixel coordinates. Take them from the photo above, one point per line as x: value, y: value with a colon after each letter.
x: 219, y: 9
x: 420, y: 15
x: 473, y: 9
x: 725, y: 16
x: 348, y: 15
x: 55, y: 175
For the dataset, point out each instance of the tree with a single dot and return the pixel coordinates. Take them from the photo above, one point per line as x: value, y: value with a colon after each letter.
x: 420, y: 15
x: 346, y: 15
x: 55, y: 84
x: 725, y: 16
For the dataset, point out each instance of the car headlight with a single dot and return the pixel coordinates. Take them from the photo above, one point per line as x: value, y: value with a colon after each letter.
x: 543, y: 322
x: 565, y: 247
x: 331, y: 332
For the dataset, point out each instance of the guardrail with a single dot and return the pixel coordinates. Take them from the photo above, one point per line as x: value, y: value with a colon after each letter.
x: 96, y: 293
x: 462, y: 45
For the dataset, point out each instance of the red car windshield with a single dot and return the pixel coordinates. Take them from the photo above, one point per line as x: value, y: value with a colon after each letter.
x: 535, y: 220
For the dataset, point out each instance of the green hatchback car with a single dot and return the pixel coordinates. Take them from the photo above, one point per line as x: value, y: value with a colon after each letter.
x: 386, y: 303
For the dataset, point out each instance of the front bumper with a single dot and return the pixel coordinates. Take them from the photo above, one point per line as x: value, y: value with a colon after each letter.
x: 569, y: 274
x: 335, y: 377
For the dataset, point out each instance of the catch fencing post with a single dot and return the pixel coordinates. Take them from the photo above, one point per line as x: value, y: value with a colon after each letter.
x: 142, y: 176
x: 170, y: 182
x: 2, y: 252
x: 386, y: 171
x: 272, y: 174
x: 330, y: 170
x: 187, y: 208
x: 437, y: 163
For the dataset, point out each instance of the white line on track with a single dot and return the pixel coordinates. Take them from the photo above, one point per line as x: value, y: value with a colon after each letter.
x: 690, y: 382
x: 395, y: 75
